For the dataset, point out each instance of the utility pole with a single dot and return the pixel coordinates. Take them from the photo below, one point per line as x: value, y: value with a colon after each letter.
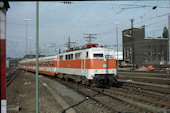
x: 132, y: 20
x: 30, y: 45
x: 90, y: 37
x: 26, y: 20
x: 168, y: 58
x: 117, y: 48
x: 37, y: 62
x: 117, y: 59
x: 59, y: 50
x: 69, y: 43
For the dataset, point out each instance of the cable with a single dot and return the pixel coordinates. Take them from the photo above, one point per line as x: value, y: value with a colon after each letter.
x: 153, y: 18
x: 143, y: 5
x: 79, y: 18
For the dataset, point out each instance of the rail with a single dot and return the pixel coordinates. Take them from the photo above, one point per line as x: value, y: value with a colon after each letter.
x: 11, y: 76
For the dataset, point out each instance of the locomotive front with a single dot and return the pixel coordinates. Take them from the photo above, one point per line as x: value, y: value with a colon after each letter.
x: 103, y: 67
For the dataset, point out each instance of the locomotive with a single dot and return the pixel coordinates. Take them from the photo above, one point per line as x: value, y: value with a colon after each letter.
x: 92, y: 64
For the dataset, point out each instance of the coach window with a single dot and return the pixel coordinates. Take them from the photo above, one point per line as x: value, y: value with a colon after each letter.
x: 51, y: 63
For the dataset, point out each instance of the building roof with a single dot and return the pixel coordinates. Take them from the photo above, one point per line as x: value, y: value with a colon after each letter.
x: 131, y: 28
x: 150, y: 38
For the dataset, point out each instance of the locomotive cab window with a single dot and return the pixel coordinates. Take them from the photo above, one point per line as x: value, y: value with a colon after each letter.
x: 99, y: 55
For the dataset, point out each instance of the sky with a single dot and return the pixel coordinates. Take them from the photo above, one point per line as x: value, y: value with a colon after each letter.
x: 59, y: 21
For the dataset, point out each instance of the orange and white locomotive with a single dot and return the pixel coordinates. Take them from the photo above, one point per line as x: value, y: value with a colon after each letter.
x: 95, y: 65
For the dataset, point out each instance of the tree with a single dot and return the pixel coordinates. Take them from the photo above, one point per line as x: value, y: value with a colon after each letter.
x: 165, y: 32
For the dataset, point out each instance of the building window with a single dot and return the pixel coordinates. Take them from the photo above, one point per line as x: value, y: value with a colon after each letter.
x: 127, y: 52
x: 124, y: 53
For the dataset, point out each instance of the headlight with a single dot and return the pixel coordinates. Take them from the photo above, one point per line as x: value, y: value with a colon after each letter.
x: 104, y: 65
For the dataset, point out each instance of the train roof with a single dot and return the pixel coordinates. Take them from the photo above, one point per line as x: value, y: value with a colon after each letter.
x: 87, y: 49
x: 75, y: 51
x: 42, y: 58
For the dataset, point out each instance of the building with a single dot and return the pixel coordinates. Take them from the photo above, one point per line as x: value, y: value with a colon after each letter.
x: 143, y: 51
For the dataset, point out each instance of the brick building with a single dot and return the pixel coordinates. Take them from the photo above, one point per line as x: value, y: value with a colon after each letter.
x: 146, y: 50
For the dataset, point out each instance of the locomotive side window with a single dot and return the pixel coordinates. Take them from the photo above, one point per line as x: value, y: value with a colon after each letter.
x: 61, y: 57
x: 67, y: 57
x: 98, y: 55
x: 87, y: 54
x: 71, y: 56
x: 77, y: 56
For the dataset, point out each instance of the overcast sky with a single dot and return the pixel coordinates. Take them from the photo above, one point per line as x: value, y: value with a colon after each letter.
x: 58, y: 21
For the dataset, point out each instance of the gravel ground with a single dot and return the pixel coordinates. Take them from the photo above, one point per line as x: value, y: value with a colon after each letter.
x: 21, y: 92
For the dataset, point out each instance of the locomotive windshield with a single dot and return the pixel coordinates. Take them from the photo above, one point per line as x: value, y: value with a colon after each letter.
x: 98, y: 55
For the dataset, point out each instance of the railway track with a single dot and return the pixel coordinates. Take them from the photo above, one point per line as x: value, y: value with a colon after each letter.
x: 105, y: 98
x: 10, y: 77
x: 89, y: 96
x: 146, y: 87
x: 154, y: 80
x: 154, y: 102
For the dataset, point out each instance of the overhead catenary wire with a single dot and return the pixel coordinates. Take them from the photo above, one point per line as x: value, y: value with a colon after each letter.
x: 153, y: 18
x: 69, y: 30
x: 96, y: 25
